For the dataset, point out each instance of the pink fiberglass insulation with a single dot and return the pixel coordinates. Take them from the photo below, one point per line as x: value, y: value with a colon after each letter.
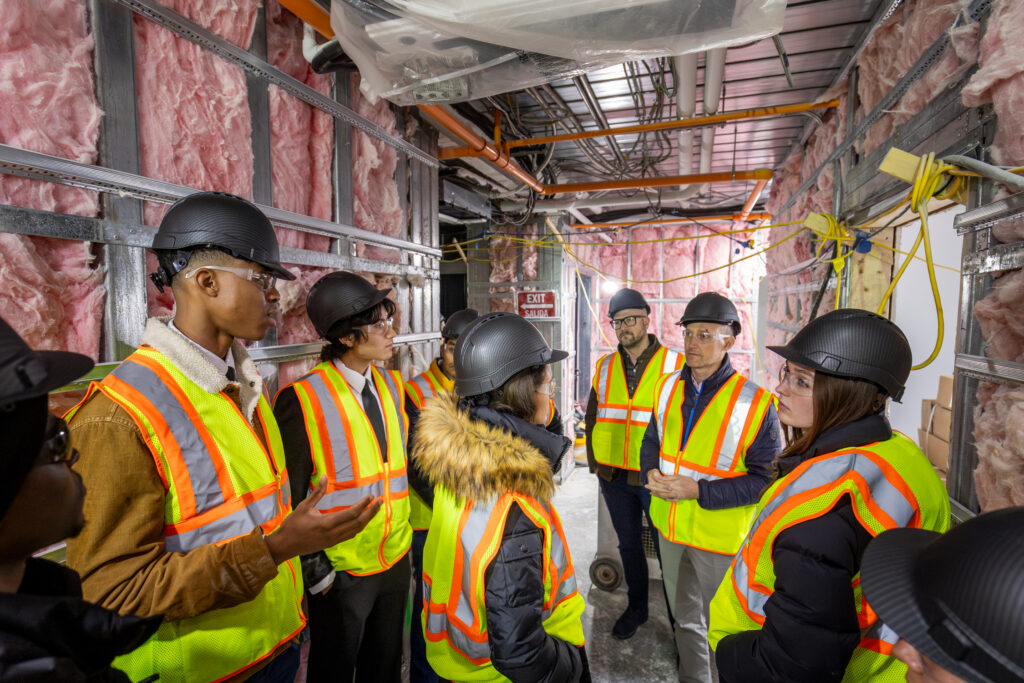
x: 504, y: 257
x: 672, y: 334
x: 680, y: 260
x: 194, y: 122
x: 646, y: 260
x: 612, y: 264
x: 1001, y: 318
x: 715, y: 251
x: 301, y: 136
x: 1000, y: 79
x: 53, y: 294
x: 999, y: 437
x: 376, y: 206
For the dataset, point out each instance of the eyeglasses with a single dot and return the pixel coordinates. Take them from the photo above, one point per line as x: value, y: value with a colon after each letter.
x: 57, y: 446
x: 800, y: 385
x: 381, y: 326
x: 549, y: 385
x: 628, y: 321
x: 264, y: 280
x: 703, y: 336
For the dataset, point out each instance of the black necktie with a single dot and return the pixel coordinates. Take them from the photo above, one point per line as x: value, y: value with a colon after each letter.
x: 230, y: 374
x: 372, y: 409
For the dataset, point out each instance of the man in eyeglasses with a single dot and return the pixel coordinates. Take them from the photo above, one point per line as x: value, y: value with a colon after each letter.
x: 47, y: 631
x: 345, y: 420
x: 619, y: 409
x: 706, y: 456
x: 189, y: 509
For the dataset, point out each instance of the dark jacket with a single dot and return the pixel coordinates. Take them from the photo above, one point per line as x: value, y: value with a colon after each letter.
x: 475, y: 463
x: 810, y: 629
x: 48, y: 633
x: 731, y: 491
x: 633, y: 372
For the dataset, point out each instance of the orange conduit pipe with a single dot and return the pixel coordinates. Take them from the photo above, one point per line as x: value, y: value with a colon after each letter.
x: 722, y: 218
x: 663, y: 181
x: 313, y: 13
x: 752, y: 199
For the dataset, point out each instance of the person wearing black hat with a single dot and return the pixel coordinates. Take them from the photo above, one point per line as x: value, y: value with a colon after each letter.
x: 500, y: 591
x: 956, y: 600
x: 47, y: 631
x: 706, y: 456
x: 345, y: 420
x: 437, y: 379
x: 188, y: 511
x: 791, y: 607
x: 626, y: 377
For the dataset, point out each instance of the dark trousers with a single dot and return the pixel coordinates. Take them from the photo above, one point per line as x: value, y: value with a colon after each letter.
x: 625, y: 505
x: 355, y: 630
x: 281, y: 670
x: 419, y: 668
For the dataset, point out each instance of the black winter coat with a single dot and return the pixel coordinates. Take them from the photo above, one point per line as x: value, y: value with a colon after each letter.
x: 810, y: 629
x: 48, y: 633
x: 481, y: 464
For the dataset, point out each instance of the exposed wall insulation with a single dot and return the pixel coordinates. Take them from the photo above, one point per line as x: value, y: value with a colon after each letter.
x: 53, y: 291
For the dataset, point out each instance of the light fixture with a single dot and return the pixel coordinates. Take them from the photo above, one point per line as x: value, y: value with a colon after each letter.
x: 610, y: 286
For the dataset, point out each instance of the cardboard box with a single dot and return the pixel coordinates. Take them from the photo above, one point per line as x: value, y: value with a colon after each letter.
x: 945, y: 396
x: 927, y: 406
x: 938, y: 452
x: 922, y: 440
x: 942, y: 419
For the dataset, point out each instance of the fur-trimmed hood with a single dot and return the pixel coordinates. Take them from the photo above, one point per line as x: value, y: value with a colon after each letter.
x: 474, y: 459
x: 200, y: 370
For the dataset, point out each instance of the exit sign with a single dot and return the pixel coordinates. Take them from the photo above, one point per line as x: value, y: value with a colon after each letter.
x: 535, y: 304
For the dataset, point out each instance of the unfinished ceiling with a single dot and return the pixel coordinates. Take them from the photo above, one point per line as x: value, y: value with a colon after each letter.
x: 819, y: 38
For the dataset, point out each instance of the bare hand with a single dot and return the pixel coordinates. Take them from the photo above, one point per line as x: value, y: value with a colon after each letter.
x: 672, y: 487
x: 306, y: 530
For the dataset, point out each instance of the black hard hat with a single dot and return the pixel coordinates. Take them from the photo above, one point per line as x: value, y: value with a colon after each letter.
x: 340, y: 295
x: 457, y: 323
x: 957, y: 598
x: 711, y: 307
x: 627, y: 298
x: 26, y: 376
x: 216, y: 220
x: 496, y: 346
x: 853, y: 343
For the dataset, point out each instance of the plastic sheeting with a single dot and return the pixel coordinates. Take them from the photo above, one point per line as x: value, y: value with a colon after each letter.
x: 412, y: 51
x: 53, y: 296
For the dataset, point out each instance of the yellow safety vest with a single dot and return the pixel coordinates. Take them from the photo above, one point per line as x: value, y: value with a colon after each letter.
x: 622, y: 419
x: 716, y: 449
x: 221, y: 483
x: 891, y: 484
x: 421, y: 389
x: 345, y: 450
x: 464, y: 539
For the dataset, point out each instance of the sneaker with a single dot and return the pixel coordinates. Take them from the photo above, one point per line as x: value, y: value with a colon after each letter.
x: 628, y: 623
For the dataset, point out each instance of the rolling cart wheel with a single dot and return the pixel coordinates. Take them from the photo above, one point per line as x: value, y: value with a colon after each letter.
x: 605, y: 574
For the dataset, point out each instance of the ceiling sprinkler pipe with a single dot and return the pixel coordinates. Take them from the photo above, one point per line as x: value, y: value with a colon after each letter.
x: 714, y: 76
x: 686, y: 106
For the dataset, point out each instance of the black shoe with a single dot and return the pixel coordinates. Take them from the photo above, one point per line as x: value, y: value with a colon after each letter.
x: 628, y: 623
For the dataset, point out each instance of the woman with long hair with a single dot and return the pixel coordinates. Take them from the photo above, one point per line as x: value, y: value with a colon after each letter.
x: 499, y: 593
x: 790, y: 608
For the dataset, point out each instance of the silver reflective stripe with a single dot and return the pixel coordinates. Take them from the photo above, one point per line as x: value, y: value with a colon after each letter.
x: 198, y: 461
x: 663, y: 398
x: 880, y: 631
x: 734, y: 427
x: 333, y: 420
x: 389, y: 381
x: 347, y: 497
x: 230, y: 526
x: 424, y: 386
x: 612, y: 413
x: 399, y: 483
x: 641, y: 416
x: 604, y: 377
x: 827, y: 470
x: 472, y: 537
x: 669, y: 363
x: 687, y: 472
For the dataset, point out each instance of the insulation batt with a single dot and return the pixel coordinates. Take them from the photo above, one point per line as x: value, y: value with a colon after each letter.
x: 53, y: 294
x: 1001, y: 318
x: 1000, y: 79
x: 376, y: 205
x: 999, y: 436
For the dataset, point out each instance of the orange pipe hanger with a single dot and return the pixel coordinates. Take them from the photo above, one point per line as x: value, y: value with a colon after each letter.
x: 721, y: 218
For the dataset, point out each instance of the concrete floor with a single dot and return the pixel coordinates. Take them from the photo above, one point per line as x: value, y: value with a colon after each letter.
x: 650, y: 654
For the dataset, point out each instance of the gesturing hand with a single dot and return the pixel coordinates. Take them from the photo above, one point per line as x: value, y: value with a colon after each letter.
x: 306, y: 530
x: 671, y: 487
